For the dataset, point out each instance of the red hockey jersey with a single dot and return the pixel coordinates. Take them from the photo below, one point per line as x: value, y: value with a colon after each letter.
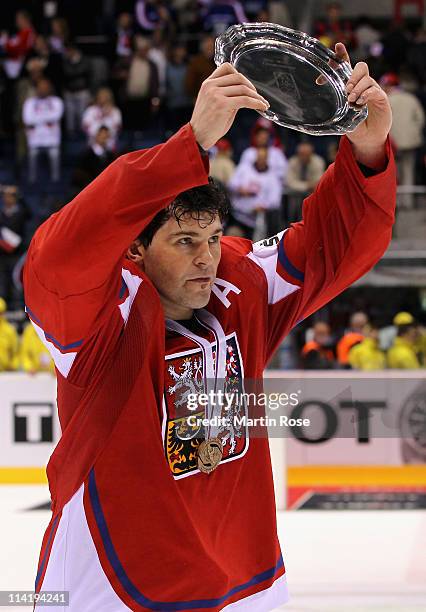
x: 135, y: 524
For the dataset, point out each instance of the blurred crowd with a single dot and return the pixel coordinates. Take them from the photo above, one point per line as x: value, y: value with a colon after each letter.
x: 362, y: 346
x: 24, y: 352
x: 75, y: 93
x: 365, y: 346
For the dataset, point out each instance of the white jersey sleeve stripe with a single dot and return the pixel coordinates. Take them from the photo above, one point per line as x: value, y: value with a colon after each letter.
x: 265, y: 255
x: 133, y: 283
x: 63, y: 361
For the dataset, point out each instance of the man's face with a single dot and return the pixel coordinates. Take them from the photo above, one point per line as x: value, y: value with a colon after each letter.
x: 179, y: 54
x: 262, y: 138
x: 125, y: 20
x: 43, y: 89
x: 21, y: 21
x: 358, y: 321
x: 374, y: 334
x: 10, y: 196
x: 103, y: 97
x: 181, y: 262
x: 304, y: 152
x: 207, y: 47
x: 412, y: 334
x: 102, y: 137
x: 322, y: 333
x: 334, y: 11
x: 142, y: 52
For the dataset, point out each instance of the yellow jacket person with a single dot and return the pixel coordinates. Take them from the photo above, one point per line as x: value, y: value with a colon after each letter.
x: 34, y: 355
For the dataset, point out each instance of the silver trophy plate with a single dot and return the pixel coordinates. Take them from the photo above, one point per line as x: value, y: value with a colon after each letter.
x: 303, y: 81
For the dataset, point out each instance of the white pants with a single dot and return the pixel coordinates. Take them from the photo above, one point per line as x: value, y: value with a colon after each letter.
x: 76, y: 103
x: 54, y: 155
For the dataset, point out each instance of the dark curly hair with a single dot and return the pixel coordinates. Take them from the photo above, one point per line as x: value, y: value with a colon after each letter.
x: 201, y: 203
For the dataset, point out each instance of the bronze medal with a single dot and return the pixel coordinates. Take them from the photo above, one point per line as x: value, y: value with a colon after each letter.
x: 209, y: 455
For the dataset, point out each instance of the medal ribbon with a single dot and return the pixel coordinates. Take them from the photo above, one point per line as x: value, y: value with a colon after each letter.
x: 214, y: 377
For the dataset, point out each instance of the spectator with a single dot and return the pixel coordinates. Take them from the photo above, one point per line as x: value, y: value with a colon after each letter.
x: 189, y: 21
x: 366, y: 36
x: 262, y: 137
x: 60, y: 36
x: 158, y: 55
x: 200, y: 66
x: 317, y: 354
x: 34, y: 356
x: 278, y: 13
x: 396, y: 42
x: 367, y: 355
x: 222, y: 167
x: 42, y: 119
x: 354, y: 335
x: 388, y: 334
x: 152, y: 15
x: 263, y: 15
x: 25, y: 88
x: 420, y: 345
x: 141, y: 87
x: 51, y: 62
x: 16, y: 48
x: 102, y: 113
x: 178, y: 103
x: 121, y: 55
x: 253, y: 8
x: 416, y: 55
x: 304, y: 172
x: 94, y: 160
x: 76, y: 69
x: 124, y: 36
x: 223, y: 13
x: 255, y: 189
x: 334, y: 29
x: 402, y: 353
x: 12, y: 220
x: 27, y: 85
x: 407, y: 131
x: 332, y: 150
x: 9, y: 342
x: 304, y: 169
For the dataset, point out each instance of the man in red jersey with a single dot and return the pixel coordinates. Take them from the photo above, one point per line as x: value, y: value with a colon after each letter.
x: 150, y: 512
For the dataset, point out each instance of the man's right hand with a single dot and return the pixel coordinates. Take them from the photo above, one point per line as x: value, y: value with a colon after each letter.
x: 220, y: 97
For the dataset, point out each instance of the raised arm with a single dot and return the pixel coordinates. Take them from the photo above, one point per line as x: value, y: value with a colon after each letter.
x: 347, y: 221
x: 76, y: 249
x: 78, y: 252
x: 346, y: 228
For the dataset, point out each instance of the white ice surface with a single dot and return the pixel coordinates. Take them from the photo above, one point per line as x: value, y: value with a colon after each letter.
x: 336, y: 561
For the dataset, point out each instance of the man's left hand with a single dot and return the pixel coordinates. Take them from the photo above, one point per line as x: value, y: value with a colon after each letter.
x: 368, y: 139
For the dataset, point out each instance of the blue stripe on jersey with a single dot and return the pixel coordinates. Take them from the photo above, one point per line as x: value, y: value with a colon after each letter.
x: 32, y: 315
x: 46, y: 552
x: 60, y: 346
x: 286, y: 263
x: 130, y: 588
x: 123, y: 288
